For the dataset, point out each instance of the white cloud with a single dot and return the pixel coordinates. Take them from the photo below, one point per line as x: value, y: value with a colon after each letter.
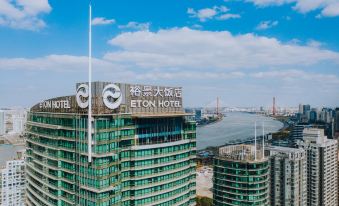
x: 294, y: 74
x: 314, y: 43
x: 197, y: 26
x: 243, y: 66
x: 135, y: 26
x: 58, y: 63
x: 102, y: 21
x: 194, y: 49
x: 228, y: 16
x: 184, y: 75
x: 289, y: 86
x: 70, y: 63
x: 329, y: 8
x: 218, y: 12
x: 23, y: 14
x: 266, y: 25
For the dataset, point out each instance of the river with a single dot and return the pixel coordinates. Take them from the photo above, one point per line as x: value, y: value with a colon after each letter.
x: 236, y: 126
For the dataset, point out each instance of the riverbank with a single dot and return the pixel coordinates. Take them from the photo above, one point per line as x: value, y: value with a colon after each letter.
x: 209, y: 120
x: 236, y: 127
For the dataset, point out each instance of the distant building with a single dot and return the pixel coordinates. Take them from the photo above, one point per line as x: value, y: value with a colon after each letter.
x: 322, y: 168
x: 287, y: 176
x: 18, y: 124
x: 13, y: 182
x: 198, y: 114
x: 306, y: 108
x: 2, y: 123
x: 313, y: 116
x: 241, y: 177
x: 189, y: 110
x: 297, y: 132
x: 326, y: 115
x: 336, y: 121
x: 301, y: 109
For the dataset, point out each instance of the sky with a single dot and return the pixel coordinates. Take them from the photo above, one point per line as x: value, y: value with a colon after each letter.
x: 244, y: 51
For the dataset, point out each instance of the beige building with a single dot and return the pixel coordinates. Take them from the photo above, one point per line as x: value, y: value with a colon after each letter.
x: 322, y: 168
x: 287, y: 176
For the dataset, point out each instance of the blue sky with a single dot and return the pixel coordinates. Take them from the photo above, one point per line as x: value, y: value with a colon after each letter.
x: 246, y: 52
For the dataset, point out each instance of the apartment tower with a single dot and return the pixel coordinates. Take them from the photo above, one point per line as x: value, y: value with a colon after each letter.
x: 241, y: 177
x: 287, y: 176
x: 322, y: 168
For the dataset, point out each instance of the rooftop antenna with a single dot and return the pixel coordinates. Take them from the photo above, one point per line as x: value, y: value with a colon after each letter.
x: 255, y: 140
x: 263, y: 140
x: 273, y: 108
x: 217, y: 106
x: 90, y: 85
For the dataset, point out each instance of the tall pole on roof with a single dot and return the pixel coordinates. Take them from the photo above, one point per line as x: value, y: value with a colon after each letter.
x: 89, y: 121
x: 263, y: 140
x: 255, y: 140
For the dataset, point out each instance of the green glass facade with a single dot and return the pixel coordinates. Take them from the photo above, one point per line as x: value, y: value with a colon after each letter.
x: 243, y: 183
x: 136, y: 160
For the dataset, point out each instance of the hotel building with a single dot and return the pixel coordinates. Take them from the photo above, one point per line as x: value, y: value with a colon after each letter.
x: 141, y: 150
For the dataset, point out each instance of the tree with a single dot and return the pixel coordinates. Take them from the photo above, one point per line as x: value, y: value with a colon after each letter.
x: 204, y: 201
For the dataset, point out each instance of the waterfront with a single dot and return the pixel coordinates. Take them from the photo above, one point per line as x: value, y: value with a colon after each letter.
x: 236, y: 126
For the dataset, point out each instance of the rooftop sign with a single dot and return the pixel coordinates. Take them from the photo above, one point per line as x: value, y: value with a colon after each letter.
x: 117, y: 98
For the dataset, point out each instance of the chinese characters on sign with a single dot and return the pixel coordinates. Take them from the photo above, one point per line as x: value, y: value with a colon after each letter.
x: 148, y: 91
x: 170, y: 95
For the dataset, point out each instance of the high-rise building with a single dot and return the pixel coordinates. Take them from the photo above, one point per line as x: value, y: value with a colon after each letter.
x: 2, y: 123
x: 297, y: 133
x: 18, y: 124
x: 306, y: 108
x: 301, y: 109
x: 287, y: 176
x: 322, y: 168
x: 241, y: 177
x: 336, y: 122
x: 13, y: 182
x: 326, y: 115
x: 313, y: 116
x: 198, y: 114
x: 141, y: 150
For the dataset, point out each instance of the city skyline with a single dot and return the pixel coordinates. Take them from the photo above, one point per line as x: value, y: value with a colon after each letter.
x: 232, y: 49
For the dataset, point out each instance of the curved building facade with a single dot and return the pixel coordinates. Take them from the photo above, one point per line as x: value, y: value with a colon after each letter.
x: 141, y: 151
x: 240, y: 178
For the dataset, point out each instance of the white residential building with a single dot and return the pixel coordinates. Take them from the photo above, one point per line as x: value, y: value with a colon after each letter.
x: 2, y: 123
x: 13, y: 182
x: 322, y: 168
x: 287, y: 176
x: 18, y: 124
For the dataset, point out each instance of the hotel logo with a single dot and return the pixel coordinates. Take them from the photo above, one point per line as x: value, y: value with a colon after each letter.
x: 111, y: 95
